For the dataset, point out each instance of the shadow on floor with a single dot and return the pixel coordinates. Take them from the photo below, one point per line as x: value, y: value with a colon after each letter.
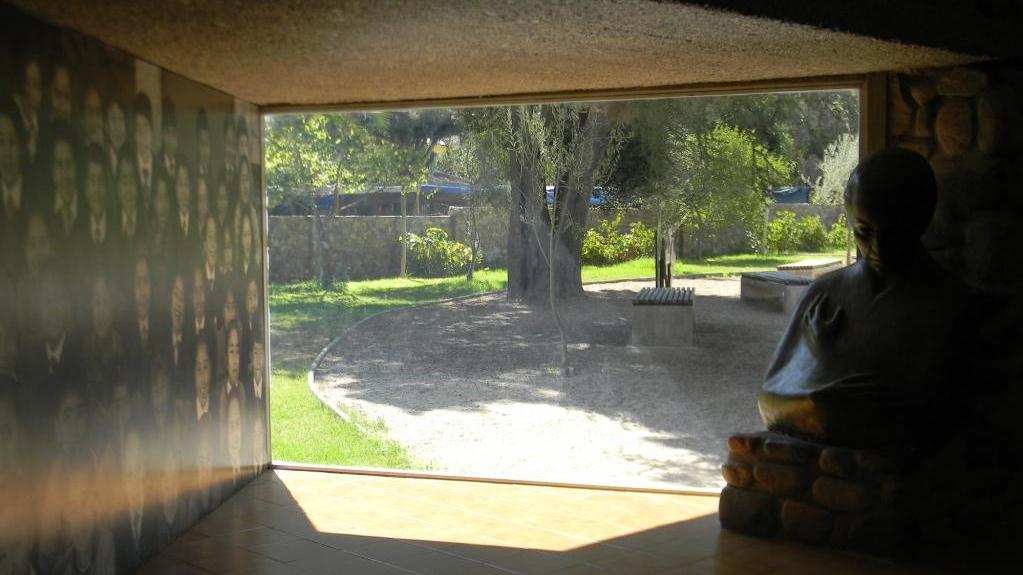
x: 305, y: 522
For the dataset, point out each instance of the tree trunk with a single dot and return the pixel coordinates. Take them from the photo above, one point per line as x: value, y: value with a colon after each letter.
x: 529, y: 270
x: 404, y: 236
x: 526, y: 265
x: 319, y: 252
x: 474, y: 239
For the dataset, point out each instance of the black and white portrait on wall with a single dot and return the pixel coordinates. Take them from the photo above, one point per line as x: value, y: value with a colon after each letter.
x: 132, y: 355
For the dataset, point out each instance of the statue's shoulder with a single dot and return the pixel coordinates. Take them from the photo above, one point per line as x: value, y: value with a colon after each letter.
x: 836, y: 281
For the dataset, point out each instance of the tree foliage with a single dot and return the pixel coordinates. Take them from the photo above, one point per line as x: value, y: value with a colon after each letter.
x: 797, y: 127
x: 410, y: 141
x: 840, y: 159
x: 308, y: 152
x: 719, y: 178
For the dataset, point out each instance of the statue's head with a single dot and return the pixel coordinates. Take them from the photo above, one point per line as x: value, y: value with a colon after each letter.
x: 889, y: 201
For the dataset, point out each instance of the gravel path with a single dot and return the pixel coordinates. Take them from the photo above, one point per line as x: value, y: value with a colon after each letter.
x: 470, y: 387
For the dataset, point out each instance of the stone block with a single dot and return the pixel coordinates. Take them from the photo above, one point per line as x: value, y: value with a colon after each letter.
x: 749, y: 512
x: 840, y: 531
x: 897, y: 495
x: 900, y: 111
x: 772, y: 290
x: 922, y: 90
x: 998, y: 122
x: 812, y: 268
x: 924, y: 147
x: 837, y: 461
x: 843, y: 495
x: 662, y: 325
x: 745, y: 445
x: 789, y: 450
x: 883, y: 533
x: 954, y: 126
x: 961, y: 82
x: 970, y: 182
x: 791, y: 298
x: 737, y: 474
x: 806, y: 523
x: 988, y: 262
x: 922, y: 121
x: 780, y: 478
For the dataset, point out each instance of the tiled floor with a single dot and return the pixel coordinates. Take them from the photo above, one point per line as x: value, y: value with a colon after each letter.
x: 300, y: 522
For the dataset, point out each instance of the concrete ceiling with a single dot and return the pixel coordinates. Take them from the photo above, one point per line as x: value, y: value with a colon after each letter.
x: 318, y: 52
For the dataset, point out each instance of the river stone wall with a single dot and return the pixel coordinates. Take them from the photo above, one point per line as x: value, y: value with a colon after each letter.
x: 967, y: 122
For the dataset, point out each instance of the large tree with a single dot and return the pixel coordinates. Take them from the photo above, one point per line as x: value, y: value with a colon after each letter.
x: 567, y: 147
x: 693, y: 171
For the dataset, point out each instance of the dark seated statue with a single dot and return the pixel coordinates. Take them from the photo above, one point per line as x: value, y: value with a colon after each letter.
x: 873, y: 354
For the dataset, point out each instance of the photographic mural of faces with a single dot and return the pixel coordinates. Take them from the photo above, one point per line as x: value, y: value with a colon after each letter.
x: 133, y: 393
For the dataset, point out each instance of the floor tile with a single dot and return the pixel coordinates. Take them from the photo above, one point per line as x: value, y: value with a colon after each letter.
x: 234, y: 559
x: 307, y: 523
x: 287, y: 551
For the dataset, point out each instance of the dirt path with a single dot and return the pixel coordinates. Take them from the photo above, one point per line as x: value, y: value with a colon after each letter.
x: 470, y: 387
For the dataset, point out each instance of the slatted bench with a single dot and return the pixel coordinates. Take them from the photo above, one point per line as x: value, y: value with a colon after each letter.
x: 775, y: 290
x: 663, y: 316
x: 811, y: 268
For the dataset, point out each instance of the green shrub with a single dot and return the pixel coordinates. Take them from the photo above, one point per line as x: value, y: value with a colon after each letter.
x: 434, y: 255
x: 838, y: 234
x: 606, y: 245
x: 782, y: 233
x: 812, y: 235
x: 787, y: 234
x: 641, y: 240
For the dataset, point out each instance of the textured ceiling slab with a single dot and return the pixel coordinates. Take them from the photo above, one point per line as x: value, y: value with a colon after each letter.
x: 291, y: 52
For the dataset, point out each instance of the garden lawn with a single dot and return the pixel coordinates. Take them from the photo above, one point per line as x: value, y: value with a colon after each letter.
x: 303, y: 318
x: 718, y: 265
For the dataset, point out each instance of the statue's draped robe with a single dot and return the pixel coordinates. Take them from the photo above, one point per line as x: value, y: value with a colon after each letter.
x: 890, y: 371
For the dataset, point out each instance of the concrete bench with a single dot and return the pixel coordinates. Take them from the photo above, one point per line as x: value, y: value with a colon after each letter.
x: 812, y: 268
x: 663, y: 316
x: 775, y: 290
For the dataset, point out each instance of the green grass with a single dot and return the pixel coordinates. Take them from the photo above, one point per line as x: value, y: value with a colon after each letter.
x: 304, y: 318
x: 718, y: 265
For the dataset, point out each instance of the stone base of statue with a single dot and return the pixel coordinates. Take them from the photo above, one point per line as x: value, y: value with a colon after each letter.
x: 860, y: 500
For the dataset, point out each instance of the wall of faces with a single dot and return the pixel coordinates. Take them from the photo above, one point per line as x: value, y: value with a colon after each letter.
x: 132, y: 349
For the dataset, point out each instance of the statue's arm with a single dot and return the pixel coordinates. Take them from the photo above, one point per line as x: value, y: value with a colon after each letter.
x: 792, y: 336
x: 821, y: 323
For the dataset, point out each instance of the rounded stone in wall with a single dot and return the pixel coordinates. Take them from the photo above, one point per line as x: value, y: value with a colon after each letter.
x: 922, y: 146
x: 901, y: 113
x: 951, y: 259
x: 922, y: 121
x: 945, y: 230
x: 991, y: 252
x: 970, y: 182
x: 998, y: 121
x: 954, y: 126
x: 961, y: 82
x: 922, y: 90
